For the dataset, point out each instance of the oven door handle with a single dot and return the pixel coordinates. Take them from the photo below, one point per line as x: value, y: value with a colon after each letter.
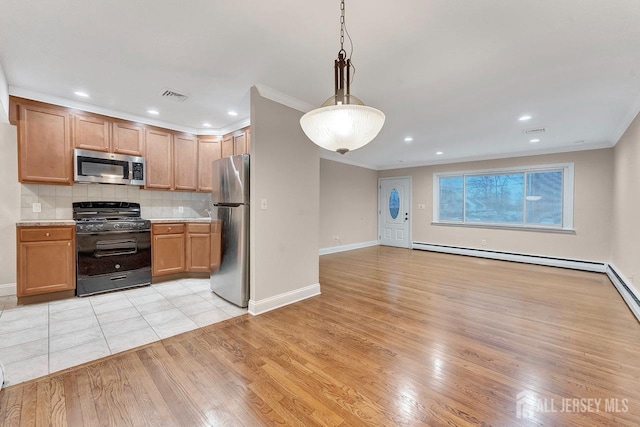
x: 114, y: 253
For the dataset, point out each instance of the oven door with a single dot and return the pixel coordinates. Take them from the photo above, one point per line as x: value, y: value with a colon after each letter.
x: 112, y: 260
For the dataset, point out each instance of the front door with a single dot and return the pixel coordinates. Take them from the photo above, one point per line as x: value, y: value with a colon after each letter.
x: 393, y: 215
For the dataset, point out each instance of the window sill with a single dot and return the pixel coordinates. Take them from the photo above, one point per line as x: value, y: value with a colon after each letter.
x: 508, y: 227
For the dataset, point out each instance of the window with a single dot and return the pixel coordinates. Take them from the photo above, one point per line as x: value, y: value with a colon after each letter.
x: 531, y: 197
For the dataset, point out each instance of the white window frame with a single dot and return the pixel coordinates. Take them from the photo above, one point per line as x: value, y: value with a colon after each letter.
x: 567, y: 196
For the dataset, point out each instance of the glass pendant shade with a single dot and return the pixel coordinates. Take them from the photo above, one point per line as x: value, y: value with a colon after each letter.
x: 342, y: 128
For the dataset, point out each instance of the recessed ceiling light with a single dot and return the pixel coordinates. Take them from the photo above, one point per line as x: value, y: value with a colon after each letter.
x: 408, y: 139
x: 534, y: 141
x: 81, y: 94
x: 439, y: 153
x: 525, y: 118
x: 206, y: 125
x: 232, y: 113
x: 154, y: 112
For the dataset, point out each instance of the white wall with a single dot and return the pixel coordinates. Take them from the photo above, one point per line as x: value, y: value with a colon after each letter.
x: 625, y: 254
x: 285, y: 171
x: 10, y: 203
x: 592, y: 209
x: 4, y: 97
x: 348, y: 204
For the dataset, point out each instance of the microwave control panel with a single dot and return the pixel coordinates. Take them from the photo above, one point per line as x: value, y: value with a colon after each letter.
x: 138, y: 171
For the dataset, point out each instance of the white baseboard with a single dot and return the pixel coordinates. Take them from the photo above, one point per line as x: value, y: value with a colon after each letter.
x: 335, y: 249
x: 574, y: 264
x: 629, y: 293
x: 7, y: 290
x: 277, y: 301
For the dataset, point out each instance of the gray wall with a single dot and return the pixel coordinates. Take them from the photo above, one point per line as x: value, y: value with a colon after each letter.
x: 593, y: 187
x: 625, y: 254
x: 348, y: 204
x: 9, y: 203
x: 285, y: 172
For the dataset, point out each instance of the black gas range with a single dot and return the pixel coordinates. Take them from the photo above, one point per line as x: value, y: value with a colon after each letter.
x: 113, y: 245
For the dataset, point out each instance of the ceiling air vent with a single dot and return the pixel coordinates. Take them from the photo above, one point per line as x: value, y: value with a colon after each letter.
x: 534, y: 131
x: 173, y: 95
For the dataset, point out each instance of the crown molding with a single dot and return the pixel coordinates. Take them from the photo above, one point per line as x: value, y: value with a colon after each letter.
x: 283, y: 98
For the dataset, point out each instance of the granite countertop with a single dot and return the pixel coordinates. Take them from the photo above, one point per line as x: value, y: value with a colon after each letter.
x: 44, y: 222
x: 172, y: 220
x: 54, y: 222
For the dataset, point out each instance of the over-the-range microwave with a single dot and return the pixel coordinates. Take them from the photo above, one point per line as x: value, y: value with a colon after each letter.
x: 108, y: 168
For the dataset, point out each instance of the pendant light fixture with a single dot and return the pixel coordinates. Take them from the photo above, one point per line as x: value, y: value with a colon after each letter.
x: 343, y: 123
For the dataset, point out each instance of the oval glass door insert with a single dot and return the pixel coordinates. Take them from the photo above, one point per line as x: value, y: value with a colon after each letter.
x: 394, y: 203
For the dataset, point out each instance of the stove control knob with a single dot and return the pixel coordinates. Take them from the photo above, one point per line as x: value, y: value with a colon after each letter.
x: 116, y: 225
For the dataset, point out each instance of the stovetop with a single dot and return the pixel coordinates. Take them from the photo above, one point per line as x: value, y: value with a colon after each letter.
x: 108, y: 216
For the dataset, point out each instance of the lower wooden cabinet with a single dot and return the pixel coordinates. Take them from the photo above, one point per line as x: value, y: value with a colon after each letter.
x: 167, y: 249
x: 191, y: 247
x: 199, y: 247
x: 46, y: 260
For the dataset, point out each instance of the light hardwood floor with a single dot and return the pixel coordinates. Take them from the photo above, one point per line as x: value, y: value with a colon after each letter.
x: 398, y: 337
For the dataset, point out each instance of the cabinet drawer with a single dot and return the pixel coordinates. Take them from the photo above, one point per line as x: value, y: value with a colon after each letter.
x: 168, y: 228
x: 33, y: 234
x: 199, y: 228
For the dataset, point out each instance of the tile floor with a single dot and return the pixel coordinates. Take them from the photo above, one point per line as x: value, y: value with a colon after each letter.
x: 40, y: 339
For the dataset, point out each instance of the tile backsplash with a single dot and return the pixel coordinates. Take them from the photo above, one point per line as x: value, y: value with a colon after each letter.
x: 56, y: 200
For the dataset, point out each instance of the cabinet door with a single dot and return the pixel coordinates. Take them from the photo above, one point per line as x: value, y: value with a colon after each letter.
x: 168, y: 254
x: 44, y: 146
x: 240, y: 144
x: 185, y: 162
x: 45, y: 267
x: 227, y: 146
x: 128, y: 138
x: 247, y: 132
x: 199, y: 252
x: 90, y: 132
x: 158, y: 161
x: 208, y: 151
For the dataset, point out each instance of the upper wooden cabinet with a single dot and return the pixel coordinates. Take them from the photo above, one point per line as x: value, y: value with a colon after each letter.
x: 91, y: 132
x: 227, y: 146
x: 240, y: 144
x: 128, y: 138
x: 44, y: 144
x: 158, y: 159
x: 99, y: 133
x: 208, y: 151
x: 185, y: 161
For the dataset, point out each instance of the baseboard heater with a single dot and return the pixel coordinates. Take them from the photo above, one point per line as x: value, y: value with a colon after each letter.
x: 625, y: 290
x: 574, y: 264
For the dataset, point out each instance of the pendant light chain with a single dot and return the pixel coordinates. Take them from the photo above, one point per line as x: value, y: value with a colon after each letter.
x: 342, y: 26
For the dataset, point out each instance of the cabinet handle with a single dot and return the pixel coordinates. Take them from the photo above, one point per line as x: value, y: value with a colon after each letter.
x: 169, y: 228
x: 69, y: 244
x: 47, y: 234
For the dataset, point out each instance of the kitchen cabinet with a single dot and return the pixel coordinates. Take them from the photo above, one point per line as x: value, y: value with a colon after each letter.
x: 168, y: 249
x: 227, y: 146
x: 240, y: 144
x: 45, y: 153
x: 208, y: 150
x: 99, y: 133
x: 46, y: 260
x: 128, y: 138
x: 198, y: 247
x: 91, y: 132
x: 185, y: 162
x: 159, y: 159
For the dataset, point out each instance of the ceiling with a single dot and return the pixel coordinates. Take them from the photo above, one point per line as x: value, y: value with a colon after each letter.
x: 454, y: 75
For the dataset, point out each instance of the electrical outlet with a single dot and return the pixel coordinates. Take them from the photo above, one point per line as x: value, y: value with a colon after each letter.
x: 263, y: 204
x: 180, y: 209
x: 421, y: 206
x: 483, y: 242
x: 37, y: 207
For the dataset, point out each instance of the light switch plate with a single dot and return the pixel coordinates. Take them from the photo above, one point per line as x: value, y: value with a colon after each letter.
x: 263, y: 204
x: 37, y: 207
x: 180, y: 209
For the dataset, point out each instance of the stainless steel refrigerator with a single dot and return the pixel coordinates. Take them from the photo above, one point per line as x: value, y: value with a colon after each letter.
x: 230, y: 200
